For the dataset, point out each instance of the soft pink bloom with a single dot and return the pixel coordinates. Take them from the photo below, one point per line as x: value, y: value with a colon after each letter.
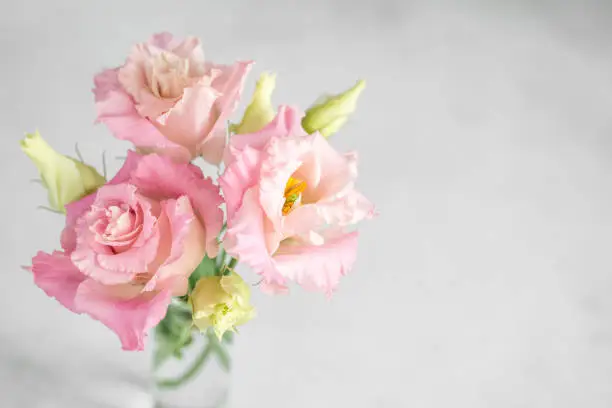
x: 167, y: 99
x: 131, y: 246
x: 290, y: 198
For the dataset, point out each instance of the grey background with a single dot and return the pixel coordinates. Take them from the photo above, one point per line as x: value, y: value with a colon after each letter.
x: 485, y: 140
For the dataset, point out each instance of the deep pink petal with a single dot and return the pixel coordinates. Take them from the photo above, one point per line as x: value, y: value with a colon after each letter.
x: 58, y: 277
x: 161, y: 178
x: 131, y: 319
x: 99, y: 261
x: 77, y: 208
x: 129, y: 165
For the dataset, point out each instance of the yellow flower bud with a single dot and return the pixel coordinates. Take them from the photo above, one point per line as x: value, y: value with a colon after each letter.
x: 260, y: 111
x: 65, y: 178
x: 330, y: 113
x: 221, y: 302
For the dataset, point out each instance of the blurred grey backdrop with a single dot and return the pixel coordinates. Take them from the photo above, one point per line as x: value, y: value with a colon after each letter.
x: 485, y: 139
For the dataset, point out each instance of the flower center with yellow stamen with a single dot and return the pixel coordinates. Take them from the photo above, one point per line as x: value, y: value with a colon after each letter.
x: 293, y: 192
x: 220, y: 313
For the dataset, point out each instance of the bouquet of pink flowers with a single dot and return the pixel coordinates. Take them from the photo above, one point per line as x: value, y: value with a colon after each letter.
x: 157, y: 245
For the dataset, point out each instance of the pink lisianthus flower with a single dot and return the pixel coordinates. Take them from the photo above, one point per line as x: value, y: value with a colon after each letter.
x: 131, y: 246
x: 290, y: 199
x: 167, y: 99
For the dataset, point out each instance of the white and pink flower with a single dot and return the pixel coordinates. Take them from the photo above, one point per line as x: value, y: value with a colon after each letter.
x: 290, y: 201
x: 167, y: 99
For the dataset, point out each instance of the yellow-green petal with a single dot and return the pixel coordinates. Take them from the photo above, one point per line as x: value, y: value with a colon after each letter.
x: 221, y: 302
x: 206, y: 294
x: 65, y: 178
x: 330, y: 113
x: 260, y: 111
x: 235, y: 286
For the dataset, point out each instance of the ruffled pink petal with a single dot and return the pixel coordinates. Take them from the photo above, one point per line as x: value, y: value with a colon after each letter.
x: 213, y: 148
x: 287, y: 122
x: 117, y: 111
x: 164, y: 40
x: 246, y: 238
x: 191, y: 49
x: 99, y: 261
x: 281, y: 146
x: 238, y: 177
x: 326, y: 171
x: 282, y: 157
x: 187, y: 249
x: 318, y: 267
x: 58, y: 277
x: 159, y: 177
x: 145, y: 253
x: 229, y: 83
x: 77, y: 208
x: 345, y: 210
x: 68, y: 239
x: 192, y: 118
x: 129, y: 165
x: 272, y: 288
x: 131, y: 319
x: 133, y: 79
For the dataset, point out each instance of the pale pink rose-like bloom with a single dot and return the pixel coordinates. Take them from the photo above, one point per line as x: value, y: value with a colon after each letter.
x: 290, y: 201
x: 167, y: 99
x: 131, y: 246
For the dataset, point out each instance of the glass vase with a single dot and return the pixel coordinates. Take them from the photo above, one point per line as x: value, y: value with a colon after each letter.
x: 189, y: 369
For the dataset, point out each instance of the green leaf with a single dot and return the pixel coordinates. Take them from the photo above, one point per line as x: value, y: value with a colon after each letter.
x: 208, y: 267
x: 172, y: 334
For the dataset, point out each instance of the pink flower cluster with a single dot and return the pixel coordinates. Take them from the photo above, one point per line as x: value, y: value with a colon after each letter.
x: 130, y: 247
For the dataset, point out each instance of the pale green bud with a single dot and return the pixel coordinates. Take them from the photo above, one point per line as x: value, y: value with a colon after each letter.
x: 260, y: 111
x: 330, y: 113
x: 65, y: 178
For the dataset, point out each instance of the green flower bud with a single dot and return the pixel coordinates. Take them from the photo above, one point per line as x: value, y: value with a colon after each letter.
x: 65, y: 178
x: 330, y: 113
x: 260, y: 111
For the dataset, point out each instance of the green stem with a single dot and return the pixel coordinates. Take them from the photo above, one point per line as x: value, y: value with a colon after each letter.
x: 232, y: 264
x: 190, y: 373
x: 223, y: 229
x: 221, y: 257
